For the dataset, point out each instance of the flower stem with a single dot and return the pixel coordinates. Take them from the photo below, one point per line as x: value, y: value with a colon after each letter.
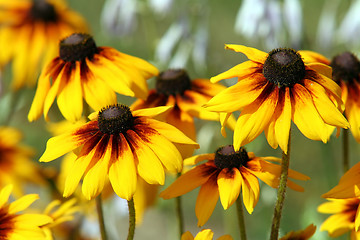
x: 132, y: 222
x: 100, y: 217
x: 281, y: 194
x: 346, y: 164
x: 241, y: 220
x: 179, y: 213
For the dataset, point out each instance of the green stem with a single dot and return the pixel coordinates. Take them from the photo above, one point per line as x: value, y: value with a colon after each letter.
x: 132, y: 223
x: 281, y: 194
x: 346, y: 164
x: 179, y: 214
x: 100, y: 217
x: 241, y: 220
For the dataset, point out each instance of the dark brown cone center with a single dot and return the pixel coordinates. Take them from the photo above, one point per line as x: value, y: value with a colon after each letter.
x: 77, y: 47
x: 346, y: 67
x: 227, y: 157
x: 172, y: 82
x: 284, y: 67
x: 115, y: 119
x: 43, y: 11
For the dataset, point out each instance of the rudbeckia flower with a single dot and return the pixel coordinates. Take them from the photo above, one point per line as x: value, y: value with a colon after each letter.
x: 16, y: 166
x: 205, y: 234
x: 348, y: 186
x: 30, y: 33
x: 83, y: 70
x: 119, y: 144
x: 175, y: 88
x: 275, y: 88
x: 223, y: 175
x: 345, y: 217
x: 346, y: 72
x: 14, y: 225
x: 301, y: 234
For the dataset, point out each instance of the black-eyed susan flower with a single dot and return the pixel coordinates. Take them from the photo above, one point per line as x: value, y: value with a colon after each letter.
x: 84, y: 71
x: 346, y: 72
x: 205, y: 234
x: 175, y: 88
x: 301, y: 234
x: 275, y: 88
x: 16, y: 166
x: 30, y: 33
x: 15, y: 225
x: 119, y: 144
x: 345, y: 217
x: 224, y: 175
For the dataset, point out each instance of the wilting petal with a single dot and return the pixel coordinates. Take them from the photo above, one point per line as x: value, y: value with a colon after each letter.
x: 250, y: 190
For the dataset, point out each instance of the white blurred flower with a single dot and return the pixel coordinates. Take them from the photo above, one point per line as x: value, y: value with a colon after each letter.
x: 270, y: 21
x: 349, y: 29
x: 119, y: 16
x: 161, y: 6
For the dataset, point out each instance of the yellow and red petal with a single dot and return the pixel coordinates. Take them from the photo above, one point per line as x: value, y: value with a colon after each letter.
x: 229, y: 184
x: 254, y: 118
x: 122, y: 171
x: 189, y: 181
x: 282, y: 126
x: 206, y: 200
x: 250, y: 189
x: 238, y: 96
x: 337, y: 225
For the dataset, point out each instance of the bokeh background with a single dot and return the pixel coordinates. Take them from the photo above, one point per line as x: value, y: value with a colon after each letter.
x: 191, y: 34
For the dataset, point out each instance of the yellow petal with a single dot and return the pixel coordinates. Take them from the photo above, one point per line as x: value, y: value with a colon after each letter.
x: 5, y: 194
x: 240, y: 71
x: 236, y: 97
x: 254, y: 118
x: 96, y: 176
x: 305, y: 115
x: 198, y: 158
x: 310, y: 56
x: 229, y: 183
x: 122, y: 172
x: 33, y: 219
x: 251, y: 53
x: 69, y: 100
x: 206, y: 201
x: 321, y: 69
x: 188, y: 181
x: 283, y: 121
x: 22, y: 203
x: 250, y: 190
x: 152, y: 112
x: 187, y: 236
x: 205, y: 234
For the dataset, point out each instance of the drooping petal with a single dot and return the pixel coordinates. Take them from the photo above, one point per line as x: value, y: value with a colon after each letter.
x: 206, y: 201
x: 283, y: 121
x: 229, y: 184
x: 250, y: 189
x: 254, y: 118
x: 149, y: 166
x: 251, y: 53
x: 122, y: 171
x: 305, y: 115
x: 97, y: 173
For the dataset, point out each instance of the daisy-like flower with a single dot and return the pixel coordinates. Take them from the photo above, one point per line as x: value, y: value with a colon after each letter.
x: 348, y: 186
x: 301, y: 234
x: 205, y: 234
x: 175, y: 88
x: 119, y: 144
x: 346, y: 72
x: 30, y: 33
x: 83, y: 70
x: 14, y: 225
x: 275, y: 88
x: 59, y: 213
x: 16, y: 166
x: 223, y: 175
x: 345, y: 217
